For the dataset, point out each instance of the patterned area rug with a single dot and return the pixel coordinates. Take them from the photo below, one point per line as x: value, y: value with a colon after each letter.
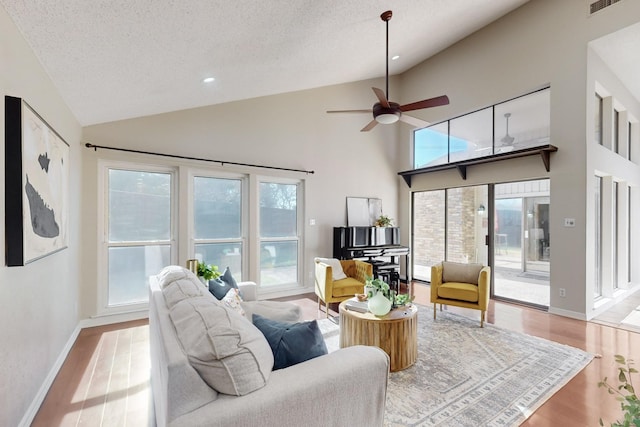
x: 471, y: 376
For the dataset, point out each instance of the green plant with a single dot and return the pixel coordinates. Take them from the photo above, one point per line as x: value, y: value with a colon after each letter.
x: 383, y: 221
x: 625, y: 393
x: 208, y: 271
x: 379, y: 285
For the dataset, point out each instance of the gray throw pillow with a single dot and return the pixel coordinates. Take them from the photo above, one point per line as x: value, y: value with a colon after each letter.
x: 220, y: 287
x: 291, y: 343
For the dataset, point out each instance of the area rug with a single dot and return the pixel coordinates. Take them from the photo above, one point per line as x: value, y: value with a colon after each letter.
x: 471, y: 376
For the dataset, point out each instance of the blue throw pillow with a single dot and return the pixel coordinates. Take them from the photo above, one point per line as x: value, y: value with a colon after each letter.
x: 220, y: 286
x: 291, y: 343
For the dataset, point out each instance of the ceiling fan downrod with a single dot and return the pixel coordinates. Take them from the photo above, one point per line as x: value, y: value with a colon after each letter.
x: 386, y: 16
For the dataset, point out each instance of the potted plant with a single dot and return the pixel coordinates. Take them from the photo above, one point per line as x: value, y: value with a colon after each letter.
x: 207, y: 272
x: 383, y: 221
x: 625, y: 392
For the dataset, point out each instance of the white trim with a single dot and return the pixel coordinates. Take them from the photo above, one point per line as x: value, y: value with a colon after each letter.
x: 109, y: 319
x: 567, y: 313
x: 37, y: 401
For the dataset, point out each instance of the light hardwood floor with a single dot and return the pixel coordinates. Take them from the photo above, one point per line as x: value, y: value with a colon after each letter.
x: 105, y: 379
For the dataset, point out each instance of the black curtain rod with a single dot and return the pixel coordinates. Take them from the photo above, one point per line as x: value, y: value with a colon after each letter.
x: 175, y: 156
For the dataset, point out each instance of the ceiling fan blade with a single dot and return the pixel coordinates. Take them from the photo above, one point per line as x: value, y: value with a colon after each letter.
x: 350, y: 111
x: 369, y: 126
x: 414, y: 121
x: 381, y: 97
x: 427, y: 103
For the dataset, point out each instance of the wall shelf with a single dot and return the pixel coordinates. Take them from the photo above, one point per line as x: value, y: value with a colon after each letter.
x: 544, y: 151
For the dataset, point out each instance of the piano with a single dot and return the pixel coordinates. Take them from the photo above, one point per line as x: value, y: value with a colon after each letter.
x: 379, y: 246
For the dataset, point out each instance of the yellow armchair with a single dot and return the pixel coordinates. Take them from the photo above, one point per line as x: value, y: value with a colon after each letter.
x: 462, y: 285
x: 330, y: 290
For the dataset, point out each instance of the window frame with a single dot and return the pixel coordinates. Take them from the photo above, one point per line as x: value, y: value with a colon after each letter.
x: 104, y: 166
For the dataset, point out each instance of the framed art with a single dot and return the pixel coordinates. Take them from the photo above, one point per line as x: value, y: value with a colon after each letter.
x: 36, y: 183
x: 362, y: 211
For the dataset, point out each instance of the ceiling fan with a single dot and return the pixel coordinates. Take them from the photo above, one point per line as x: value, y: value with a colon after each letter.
x: 385, y: 111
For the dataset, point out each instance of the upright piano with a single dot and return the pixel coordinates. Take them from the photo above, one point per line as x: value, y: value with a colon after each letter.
x: 379, y: 246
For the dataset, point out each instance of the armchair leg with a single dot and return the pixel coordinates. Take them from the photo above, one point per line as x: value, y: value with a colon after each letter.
x: 434, y: 310
x: 482, y: 319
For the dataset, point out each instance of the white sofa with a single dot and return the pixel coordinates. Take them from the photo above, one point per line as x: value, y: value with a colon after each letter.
x: 343, y: 388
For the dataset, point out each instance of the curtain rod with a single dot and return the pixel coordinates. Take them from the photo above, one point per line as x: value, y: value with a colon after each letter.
x: 175, y: 156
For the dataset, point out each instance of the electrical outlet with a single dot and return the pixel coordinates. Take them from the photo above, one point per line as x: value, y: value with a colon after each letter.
x: 569, y: 222
x: 563, y: 292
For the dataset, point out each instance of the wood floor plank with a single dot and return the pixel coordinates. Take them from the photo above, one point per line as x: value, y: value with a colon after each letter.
x: 102, y: 371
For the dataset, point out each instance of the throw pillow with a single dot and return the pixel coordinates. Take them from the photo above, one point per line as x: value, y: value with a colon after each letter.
x: 336, y: 268
x: 220, y: 287
x: 291, y: 343
x: 229, y: 353
x: 233, y: 300
x: 460, y: 272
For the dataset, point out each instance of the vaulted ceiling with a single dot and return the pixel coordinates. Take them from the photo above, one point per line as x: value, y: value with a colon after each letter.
x: 120, y: 59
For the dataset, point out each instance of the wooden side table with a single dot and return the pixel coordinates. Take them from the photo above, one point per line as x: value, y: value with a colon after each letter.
x: 396, y: 333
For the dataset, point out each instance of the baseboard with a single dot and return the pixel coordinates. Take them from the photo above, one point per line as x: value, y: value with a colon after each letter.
x: 113, y: 318
x: 28, y: 417
x: 567, y: 313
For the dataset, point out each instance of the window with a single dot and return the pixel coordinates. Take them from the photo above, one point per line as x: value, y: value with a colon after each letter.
x: 279, y: 233
x: 614, y: 237
x: 138, y: 232
x: 597, y: 286
x: 598, y: 120
x: 516, y: 124
x: 218, y: 222
x: 616, y: 131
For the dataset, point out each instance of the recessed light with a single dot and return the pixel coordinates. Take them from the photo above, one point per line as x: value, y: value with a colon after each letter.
x: 393, y: 58
x: 208, y: 79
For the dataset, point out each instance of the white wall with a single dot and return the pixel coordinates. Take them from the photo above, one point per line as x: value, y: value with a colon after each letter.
x: 38, y: 302
x: 543, y: 42
x: 291, y: 130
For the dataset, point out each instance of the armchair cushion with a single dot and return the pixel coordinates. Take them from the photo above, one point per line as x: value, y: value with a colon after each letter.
x: 458, y: 291
x: 291, y: 343
x: 459, y: 272
x: 347, y: 287
x: 336, y: 267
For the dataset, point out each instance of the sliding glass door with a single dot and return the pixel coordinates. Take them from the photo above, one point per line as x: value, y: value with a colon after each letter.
x: 449, y: 225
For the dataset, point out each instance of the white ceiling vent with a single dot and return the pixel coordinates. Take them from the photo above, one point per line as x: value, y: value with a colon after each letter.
x: 600, y: 4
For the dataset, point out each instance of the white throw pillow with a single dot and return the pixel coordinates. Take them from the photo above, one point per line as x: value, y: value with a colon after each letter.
x: 233, y: 300
x: 336, y: 267
x: 231, y: 355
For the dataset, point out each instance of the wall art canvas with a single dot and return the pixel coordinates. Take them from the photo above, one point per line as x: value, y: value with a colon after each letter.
x: 37, y: 185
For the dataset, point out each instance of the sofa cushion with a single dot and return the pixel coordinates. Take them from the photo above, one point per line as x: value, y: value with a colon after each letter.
x: 460, y: 272
x: 181, y: 289
x: 291, y: 343
x: 336, y: 268
x: 347, y: 287
x: 231, y: 355
x: 458, y: 291
x: 274, y: 310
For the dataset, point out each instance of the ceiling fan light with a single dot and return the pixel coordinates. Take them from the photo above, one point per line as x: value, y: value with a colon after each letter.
x: 388, y: 118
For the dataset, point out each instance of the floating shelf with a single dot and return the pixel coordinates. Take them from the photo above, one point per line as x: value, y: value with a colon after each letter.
x: 544, y: 151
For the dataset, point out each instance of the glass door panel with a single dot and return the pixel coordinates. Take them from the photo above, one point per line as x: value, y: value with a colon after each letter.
x: 428, y: 232
x: 522, y: 250
x: 467, y: 224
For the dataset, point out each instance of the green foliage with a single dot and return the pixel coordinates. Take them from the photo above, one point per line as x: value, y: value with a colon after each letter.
x: 384, y: 221
x: 380, y: 286
x: 625, y: 393
x: 208, y: 271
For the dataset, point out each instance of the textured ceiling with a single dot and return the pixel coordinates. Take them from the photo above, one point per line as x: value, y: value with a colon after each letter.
x: 120, y: 59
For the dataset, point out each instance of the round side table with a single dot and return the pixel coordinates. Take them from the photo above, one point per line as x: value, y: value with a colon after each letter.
x: 396, y: 333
